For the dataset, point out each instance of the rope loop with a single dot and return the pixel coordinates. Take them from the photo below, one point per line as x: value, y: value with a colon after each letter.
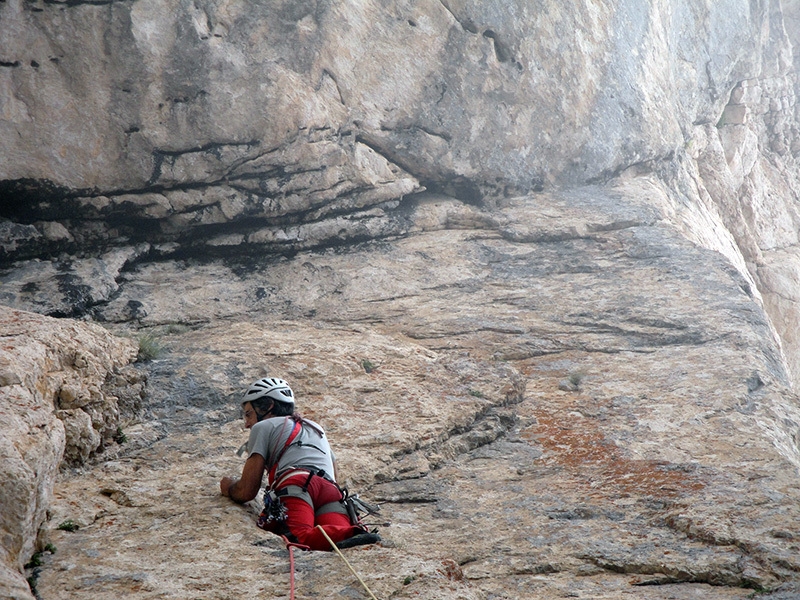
x: 290, y: 546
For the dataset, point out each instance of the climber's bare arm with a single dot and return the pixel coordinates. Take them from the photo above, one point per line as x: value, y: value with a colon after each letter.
x: 246, y: 488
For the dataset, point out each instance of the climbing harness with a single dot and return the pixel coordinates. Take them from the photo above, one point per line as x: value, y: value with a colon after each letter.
x: 273, y: 516
x: 350, y: 504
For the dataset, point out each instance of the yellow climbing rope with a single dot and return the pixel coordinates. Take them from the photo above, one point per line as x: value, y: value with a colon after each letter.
x: 339, y: 552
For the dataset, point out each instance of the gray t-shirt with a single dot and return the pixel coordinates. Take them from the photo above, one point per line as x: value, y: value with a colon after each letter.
x: 308, y: 448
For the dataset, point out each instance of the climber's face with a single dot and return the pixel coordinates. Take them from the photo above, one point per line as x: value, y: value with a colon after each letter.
x: 250, y: 417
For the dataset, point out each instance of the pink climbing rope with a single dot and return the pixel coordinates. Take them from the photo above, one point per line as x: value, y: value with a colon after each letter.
x: 290, y: 546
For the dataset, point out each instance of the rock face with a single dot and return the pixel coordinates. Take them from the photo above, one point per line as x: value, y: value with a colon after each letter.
x: 235, y: 92
x: 57, y: 386
x: 534, y: 266
x: 571, y: 399
x: 234, y: 126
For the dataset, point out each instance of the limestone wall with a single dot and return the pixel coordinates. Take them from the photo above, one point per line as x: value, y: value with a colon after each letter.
x: 228, y: 126
x: 57, y: 381
x: 136, y: 135
x: 225, y: 92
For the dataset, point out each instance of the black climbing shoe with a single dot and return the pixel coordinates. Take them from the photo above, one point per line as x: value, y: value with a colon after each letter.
x: 360, y: 539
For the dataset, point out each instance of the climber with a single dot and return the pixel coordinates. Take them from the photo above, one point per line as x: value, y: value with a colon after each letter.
x: 302, y: 490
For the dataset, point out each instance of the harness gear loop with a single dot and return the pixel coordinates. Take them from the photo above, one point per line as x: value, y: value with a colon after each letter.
x: 274, y: 510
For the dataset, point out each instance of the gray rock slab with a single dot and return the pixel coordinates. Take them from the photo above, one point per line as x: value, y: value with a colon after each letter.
x: 436, y: 361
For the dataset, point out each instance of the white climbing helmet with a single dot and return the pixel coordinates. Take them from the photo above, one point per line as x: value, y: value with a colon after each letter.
x: 272, y: 388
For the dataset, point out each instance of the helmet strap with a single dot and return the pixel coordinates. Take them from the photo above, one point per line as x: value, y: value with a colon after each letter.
x: 261, y: 416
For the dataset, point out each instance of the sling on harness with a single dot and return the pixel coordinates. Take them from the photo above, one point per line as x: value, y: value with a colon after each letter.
x: 274, y: 511
x: 298, y: 425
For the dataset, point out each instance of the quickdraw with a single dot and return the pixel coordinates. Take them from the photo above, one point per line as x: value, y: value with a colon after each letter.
x: 355, y: 507
x: 274, y: 511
